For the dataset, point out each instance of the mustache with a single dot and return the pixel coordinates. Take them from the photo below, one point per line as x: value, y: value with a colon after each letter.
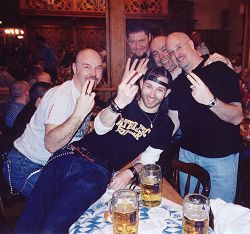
x: 93, y: 78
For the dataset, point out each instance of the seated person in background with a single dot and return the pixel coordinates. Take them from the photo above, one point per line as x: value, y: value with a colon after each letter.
x: 19, y: 93
x: 41, y: 77
x: 199, y: 44
x: 59, y: 119
x: 77, y: 175
x: 5, y: 77
x: 35, y: 94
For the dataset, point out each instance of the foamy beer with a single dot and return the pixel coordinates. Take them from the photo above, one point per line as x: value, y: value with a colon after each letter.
x: 195, y: 214
x: 151, y: 185
x: 124, y: 211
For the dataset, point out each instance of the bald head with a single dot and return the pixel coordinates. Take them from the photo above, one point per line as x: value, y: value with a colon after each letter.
x: 88, y: 66
x: 87, y: 52
x: 182, y: 51
x: 160, y: 54
x: 43, y: 77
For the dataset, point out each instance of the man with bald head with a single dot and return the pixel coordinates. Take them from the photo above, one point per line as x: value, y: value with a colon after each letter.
x: 205, y: 103
x: 61, y: 117
x: 161, y: 56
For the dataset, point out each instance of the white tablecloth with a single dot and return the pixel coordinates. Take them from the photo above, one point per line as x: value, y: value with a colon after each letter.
x: 166, y: 218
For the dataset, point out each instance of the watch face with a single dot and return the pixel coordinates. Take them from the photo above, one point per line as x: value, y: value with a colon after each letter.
x: 212, y: 103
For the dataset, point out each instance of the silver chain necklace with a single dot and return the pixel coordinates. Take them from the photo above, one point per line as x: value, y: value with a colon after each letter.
x: 151, y: 121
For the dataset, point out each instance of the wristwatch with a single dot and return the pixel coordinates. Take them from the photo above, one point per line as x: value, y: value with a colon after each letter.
x: 212, y: 103
x: 134, y: 171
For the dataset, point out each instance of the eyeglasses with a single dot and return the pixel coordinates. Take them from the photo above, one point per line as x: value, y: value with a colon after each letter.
x: 179, y: 48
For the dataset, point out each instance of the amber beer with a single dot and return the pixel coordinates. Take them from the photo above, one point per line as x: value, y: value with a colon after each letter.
x: 151, y: 192
x: 124, y: 211
x: 151, y: 185
x: 195, y: 214
x: 190, y: 226
x: 125, y: 219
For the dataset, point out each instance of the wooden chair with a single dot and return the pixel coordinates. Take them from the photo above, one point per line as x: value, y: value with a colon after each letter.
x: 191, y: 169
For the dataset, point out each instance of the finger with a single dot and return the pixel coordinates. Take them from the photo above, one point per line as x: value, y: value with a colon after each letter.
x: 143, y: 66
x: 135, y: 78
x: 197, y: 78
x: 90, y: 87
x: 132, y: 68
x: 127, y: 65
x: 128, y: 77
x: 84, y: 88
x: 192, y: 80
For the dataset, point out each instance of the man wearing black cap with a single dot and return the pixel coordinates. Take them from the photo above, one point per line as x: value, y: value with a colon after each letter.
x: 77, y: 175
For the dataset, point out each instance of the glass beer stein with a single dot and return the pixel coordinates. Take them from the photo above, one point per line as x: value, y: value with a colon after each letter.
x: 124, y: 211
x: 195, y: 214
x: 151, y: 185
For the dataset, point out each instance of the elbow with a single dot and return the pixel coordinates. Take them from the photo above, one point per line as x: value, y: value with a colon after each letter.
x: 49, y: 146
x: 238, y: 120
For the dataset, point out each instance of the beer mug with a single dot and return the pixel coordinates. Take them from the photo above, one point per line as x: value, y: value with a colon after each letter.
x: 151, y: 185
x: 123, y: 208
x: 196, y: 209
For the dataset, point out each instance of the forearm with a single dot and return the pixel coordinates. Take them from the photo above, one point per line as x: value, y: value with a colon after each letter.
x: 61, y: 135
x: 169, y: 193
x: 108, y: 117
x: 231, y: 113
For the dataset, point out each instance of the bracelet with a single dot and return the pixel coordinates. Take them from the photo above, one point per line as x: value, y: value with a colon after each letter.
x: 134, y: 171
x: 115, y: 108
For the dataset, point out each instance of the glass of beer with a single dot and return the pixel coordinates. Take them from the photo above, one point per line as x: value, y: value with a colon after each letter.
x: 124, y: 211
x: 151, y: 185
x: 195, y: 214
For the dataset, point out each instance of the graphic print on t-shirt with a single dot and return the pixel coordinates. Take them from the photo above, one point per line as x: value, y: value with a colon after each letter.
x: 126, y: 126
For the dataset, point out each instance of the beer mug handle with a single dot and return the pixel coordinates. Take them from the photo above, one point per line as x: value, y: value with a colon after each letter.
x: 110, y: 209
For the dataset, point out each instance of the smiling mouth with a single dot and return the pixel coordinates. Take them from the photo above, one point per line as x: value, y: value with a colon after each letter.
x: 164, y: 61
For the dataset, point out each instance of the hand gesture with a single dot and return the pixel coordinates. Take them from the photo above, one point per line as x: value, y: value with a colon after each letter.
x: 85, y: 102
x: 200, y: 91
x: 140, y: 68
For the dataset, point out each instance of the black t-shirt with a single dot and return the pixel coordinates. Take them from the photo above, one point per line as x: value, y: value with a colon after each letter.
x: 130, y: 136
x: 203, y: 132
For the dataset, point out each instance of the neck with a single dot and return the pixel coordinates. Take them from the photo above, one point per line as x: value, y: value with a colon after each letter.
x: 22, y: 100
x: 146, y: 109
x: 197, y: 60
x: 175, y: 72
x: 76, y: 84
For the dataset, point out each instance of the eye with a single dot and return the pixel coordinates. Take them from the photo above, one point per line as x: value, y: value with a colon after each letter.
x: 179, y: 48
x: 86, y: 66
x: 155, y: 55
x: 99, y: 68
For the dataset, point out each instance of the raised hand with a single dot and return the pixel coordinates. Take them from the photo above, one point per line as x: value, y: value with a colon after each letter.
x: 200, y: 91
x: 140, y: 67
x: 85, y: 102
x: 127, y: 89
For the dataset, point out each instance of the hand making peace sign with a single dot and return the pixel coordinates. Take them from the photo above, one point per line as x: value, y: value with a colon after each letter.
x: 85, y: 102
x: 200, y: 91
x: 127, y: 89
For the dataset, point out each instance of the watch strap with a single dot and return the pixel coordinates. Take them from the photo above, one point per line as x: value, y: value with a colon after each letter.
x: 134, y: 171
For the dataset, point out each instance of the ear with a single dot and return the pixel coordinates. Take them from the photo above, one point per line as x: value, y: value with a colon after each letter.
x: 168, y: 92
x: 191, y: 43
x: 141, y: 83
x: 37, y: 101
x: 74, y: 67
x: 149, y: 37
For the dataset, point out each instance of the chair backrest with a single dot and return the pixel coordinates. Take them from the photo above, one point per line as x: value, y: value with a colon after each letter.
x: 191, y: 169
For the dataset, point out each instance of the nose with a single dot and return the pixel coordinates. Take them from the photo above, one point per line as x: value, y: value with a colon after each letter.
x: 152, y: 93
x: 93, y: 72
x: 161, y: 55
